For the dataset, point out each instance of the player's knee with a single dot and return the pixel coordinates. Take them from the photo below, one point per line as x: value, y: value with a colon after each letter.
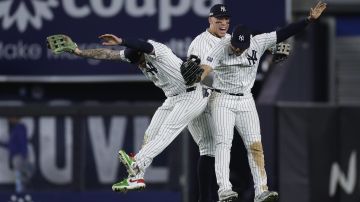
x: 256, y: 149
x: 223, y: 145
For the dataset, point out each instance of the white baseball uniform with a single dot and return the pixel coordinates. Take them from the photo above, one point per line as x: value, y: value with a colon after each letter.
x: 232, y: 104
x: 202, y: 127
x: 182, y: 104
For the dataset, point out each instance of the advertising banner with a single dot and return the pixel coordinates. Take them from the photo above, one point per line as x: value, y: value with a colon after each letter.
x: 318, y: 153
x: 25, y: 24
x: 79, y: 150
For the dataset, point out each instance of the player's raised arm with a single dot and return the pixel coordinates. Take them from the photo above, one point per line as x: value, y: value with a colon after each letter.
x: 296, y: 27
x: 61, y: 43
x: 136, y: 44
x: 135, y: 48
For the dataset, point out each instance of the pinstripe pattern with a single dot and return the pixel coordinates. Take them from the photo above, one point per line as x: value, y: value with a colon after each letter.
x: 176, y: 112
x: 203, y: 43
x: 167, y: 78
x: 202, y: 127
x: 154, y: 127
x: 236, y: 74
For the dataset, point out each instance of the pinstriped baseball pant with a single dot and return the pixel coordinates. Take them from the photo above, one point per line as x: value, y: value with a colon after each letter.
x: 237, y: 111
x: 175, y: 114
x: 202, y: 130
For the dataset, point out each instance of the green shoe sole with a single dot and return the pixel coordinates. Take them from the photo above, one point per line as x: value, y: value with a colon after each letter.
x: 126, y: 189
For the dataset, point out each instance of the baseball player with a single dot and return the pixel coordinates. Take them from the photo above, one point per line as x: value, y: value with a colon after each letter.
x: 162, y: 66
x: 202, y: 127
x: 234, y: 62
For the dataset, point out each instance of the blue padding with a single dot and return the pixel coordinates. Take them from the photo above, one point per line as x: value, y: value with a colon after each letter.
x: 348, y: 26
x: 94, y: 196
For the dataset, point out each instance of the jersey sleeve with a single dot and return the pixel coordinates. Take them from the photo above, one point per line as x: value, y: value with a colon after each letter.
x: 193, y: 49
x: 265, y: 41
x: 122, y: 56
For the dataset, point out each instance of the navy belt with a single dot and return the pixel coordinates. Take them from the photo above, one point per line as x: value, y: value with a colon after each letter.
x: 191, y: 89
x: 187, y: 90
x: 234, y: 94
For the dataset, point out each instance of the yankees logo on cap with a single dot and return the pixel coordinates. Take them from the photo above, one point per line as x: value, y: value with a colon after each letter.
x: 240, y: 37
x: 219, y: 10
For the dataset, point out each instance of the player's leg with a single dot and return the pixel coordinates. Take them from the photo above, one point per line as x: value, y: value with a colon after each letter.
x: 224, y: 119
x: 203, y: 132
x: 187, y: 107
x: 184, y: 111
x: 18, y: 163
x: 248, y: 125
x: 137, y: 182
x: 157, y: 120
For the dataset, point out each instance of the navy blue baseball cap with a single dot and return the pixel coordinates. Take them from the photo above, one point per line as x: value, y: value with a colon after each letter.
x: 133, y: 55
x: 219, y: 10
x: 240, y: 37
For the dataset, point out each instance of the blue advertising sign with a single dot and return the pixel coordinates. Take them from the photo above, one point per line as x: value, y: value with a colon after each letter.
x: 25, y: 24
x: 62, y: 196
x: 68, y: 152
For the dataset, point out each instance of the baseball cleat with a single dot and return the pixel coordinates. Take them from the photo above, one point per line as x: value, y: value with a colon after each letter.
x: 267, y: 196
x: 228, y: 196
x: 128, y: 162
x: 129, y: 184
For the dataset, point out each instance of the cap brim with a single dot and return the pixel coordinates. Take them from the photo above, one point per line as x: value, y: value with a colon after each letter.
x: 220, y: 15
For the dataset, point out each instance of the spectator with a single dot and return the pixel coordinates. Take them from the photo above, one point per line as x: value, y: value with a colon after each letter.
x: 18, y: 152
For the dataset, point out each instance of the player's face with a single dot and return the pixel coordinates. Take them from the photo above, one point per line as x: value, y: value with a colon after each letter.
x: 219, y: 26
x: 237, y: 51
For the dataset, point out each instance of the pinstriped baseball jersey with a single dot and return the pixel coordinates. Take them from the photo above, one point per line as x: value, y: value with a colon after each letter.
x: 236, y: 74
x: 163, y: 69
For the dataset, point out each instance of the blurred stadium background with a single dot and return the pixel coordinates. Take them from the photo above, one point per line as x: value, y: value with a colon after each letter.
x: 79, y: 112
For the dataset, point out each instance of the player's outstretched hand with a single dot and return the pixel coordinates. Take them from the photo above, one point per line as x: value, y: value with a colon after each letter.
x: 317, y: 11
x: 110, y: 40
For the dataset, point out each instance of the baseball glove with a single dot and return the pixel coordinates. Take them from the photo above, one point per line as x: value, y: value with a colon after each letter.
x: 191, y: 71
x: 60, y: 43
x: 280, y: 51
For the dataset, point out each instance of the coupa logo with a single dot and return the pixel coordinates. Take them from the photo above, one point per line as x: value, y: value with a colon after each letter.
x: 24, y: 13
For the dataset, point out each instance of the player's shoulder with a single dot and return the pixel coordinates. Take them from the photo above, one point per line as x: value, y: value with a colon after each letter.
x: 201, y: 37
x: 155, y: 43
x: 158, y: 45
